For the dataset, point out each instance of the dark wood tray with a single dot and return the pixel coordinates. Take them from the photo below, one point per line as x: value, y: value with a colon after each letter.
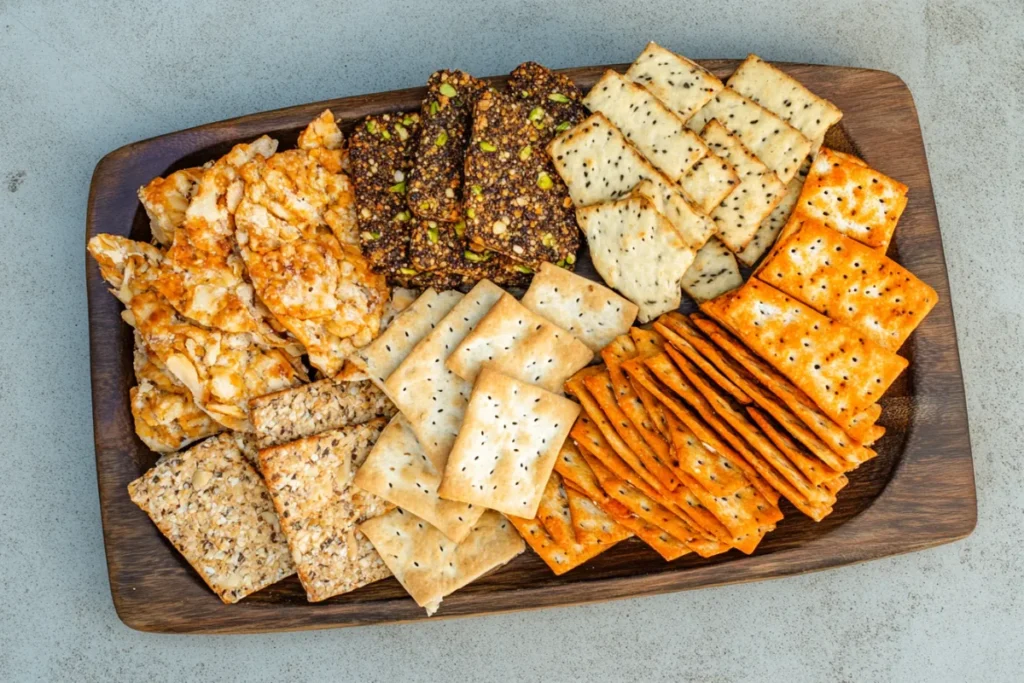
x: 918, y: 493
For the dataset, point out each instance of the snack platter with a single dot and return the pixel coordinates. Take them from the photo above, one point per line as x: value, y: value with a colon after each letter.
x: 623, y: 394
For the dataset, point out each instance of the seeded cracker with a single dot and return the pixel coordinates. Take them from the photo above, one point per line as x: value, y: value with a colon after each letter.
x: 771, y: 226
x: 656, y: 131
x: 435, y: 184
x: 310, y: 483
x: 380, y: 152
x: 518, y: 343
x: 593, y: 526
x: 669, y: 326
x: 714, y: 272
x: 681, y: 84
x: 428, y: 565
x: 442, y: 248
x: 553, y: 511
x: 709, y: 182
x: 516, y: 204
x: 507, y: 445
x: 400, y: 472
x: 213, y: 507
x: 554, y: 93
x: 689, y: 221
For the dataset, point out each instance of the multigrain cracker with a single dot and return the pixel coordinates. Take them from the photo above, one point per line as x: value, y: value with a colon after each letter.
x: 507, y: 445
x: 213, y: 507
x: 681, y: 84
x: 429, y: 565
x: 399, y: 471
x: 513, y: 340
x: 310, y: 483
x: 586, y: 309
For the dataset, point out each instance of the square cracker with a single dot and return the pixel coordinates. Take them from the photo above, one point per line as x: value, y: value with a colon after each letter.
x: 710, y: 181
x: 212, y: 505
x: 771, y: 227
x: 848, y: 196
x: 850, y: 282
x: 400, y: 472
x: 673, y: 327
x: 655, y: 129
x: 759, y: 190
x: 692, y: 224
x: 842, y: 372
x: 515, y: 341
x: 432, y: 397
x: 313, y: 408
x: 553, y: 511
x: 780, y: 146
x: 638, y: 252
x: 586, y: 309
x: 714, y: 272
x: 310, y: 483
x: 429, y: 565
x: 507, y: 444
x: 593, y: 526
x: 384, y: 354
x: 628, y: 398
x: 559, y: 557
x: 781, y: 94
x: 681, y: 84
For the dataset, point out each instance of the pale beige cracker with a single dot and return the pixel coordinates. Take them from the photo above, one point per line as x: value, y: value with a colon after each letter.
x: 771, y: 227
x: 682, y: 85
x: 709, y: 182
x: 714, y: 272
x: 691, y: 222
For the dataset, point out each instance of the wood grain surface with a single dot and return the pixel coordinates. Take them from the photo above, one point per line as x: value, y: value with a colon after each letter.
x: 918, y: 493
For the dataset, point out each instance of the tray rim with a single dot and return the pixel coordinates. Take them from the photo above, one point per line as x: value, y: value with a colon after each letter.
x: 862, y: 538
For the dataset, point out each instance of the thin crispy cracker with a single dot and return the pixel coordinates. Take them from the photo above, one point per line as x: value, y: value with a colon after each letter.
x: 692, y: 224
x: 710, y: 181
x: 593, y: 526
x: 714, y: 272
x: 683, y: 85
x: 559, y: 556
x: 628, y: 398
x: 669, y: 326
x: 553, y: 512
x: 771, y: 227
x: 811, y: 466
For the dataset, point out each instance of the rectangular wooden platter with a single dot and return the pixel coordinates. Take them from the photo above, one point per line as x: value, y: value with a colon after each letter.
x: 918, y: 493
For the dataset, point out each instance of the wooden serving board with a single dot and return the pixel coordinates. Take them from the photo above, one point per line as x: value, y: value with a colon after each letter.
x: 918, y: 493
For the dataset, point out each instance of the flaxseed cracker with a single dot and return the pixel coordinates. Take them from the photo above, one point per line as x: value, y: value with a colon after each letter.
x: 559, y: 100
x: 212, y: 505
x: 681, y: 84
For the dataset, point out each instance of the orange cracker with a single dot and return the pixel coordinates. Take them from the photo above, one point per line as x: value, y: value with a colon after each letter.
x: 590, y: 439
x: 553, y: 512
x: 839, y: 369
x: 575, y: 471
x: 593, y: 526
x: 812, y: 468
x: 632, y: 404
x: 647, y: 341
x: 560, y: 558
x: 677, y: 343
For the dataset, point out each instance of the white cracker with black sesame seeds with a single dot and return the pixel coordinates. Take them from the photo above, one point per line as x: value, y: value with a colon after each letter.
x: 682, y: 85
x: 692, y: 224
x: 709, y: 182
x: 507, y: 446
x: 771, y: 227
x: 714, y: 272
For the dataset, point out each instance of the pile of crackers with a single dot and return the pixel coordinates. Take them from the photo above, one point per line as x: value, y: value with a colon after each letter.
x: 464, y: 190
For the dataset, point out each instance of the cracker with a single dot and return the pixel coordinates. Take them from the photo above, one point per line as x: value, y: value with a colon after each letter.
x: 638, y: 252
x: 383, y: 355
x: 587, y: 310
x: 710, y: 181
x: 682, y: 85
x: 629, y: 400
x: 574, y: 470
x: 435, y: 183
x: 166, y: 199
x: 212, y: 505
x: 517, y: 204
x: 780, y: 146
x: 310, y: 483
x: 711, y: 470
x: 692, y: 224
x: 812, y: 467
x: 430, y: 566
x: 852, y: 198
x: 714, y: 272
x: 671, y: 327
x: 432, y: 397
x: 851, y: 283
x: 507, y: 444
x: 593, y: 526
x: 842, y: 372
x: 555, y: 94
x: 771, y: 226
x: 400, y: 472
x: 553, y: 512
x: 759, y: 190
x: 781, y: 94
x: 314, y: 408
x: 440, y: 249
x: 559, y: 556
x: 513, y: 340
x: 656, y: 131
x: 647, y: 342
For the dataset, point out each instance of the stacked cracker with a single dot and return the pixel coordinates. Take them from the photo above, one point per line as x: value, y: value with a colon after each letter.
x: 463, y: 190
x: 478, y: 379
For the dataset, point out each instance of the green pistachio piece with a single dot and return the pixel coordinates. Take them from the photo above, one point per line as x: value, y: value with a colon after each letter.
x: 524, y: 93
x: 558, y: 97
x: 369, y: 236
x: 563, y: 126
x: 434, y: 107
x: 403, y: 216
x: 442, y: 138
x: 522, y: 269
x: 408, y: 271
x: 471, y: 212
x: 487, y: 147
x: 536, y: 114
x: 433, y: 235
x: 476, y: 190
x: 544, y: 181
x: 570, y: 259
x: 398, y: 188
x: 385, y: 134
x: 371, y: 127
x: 408, y: 120
x: 560, y: 263
x: 525, y: 153
x: 425, y: 205
x: 402, y: 132
x: 548, y: 240
x: 447, y: 90
x: 477, y: 258
x: 460, y: 228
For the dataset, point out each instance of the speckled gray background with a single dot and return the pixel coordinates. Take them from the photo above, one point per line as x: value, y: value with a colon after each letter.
x: 80, y: 79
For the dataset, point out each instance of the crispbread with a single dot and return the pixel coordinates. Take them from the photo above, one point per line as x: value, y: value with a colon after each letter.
x: 313, y: 408
x: 593, y: 526
x: 553, y: 512
x: 587, y: 310
x: 710, y: 181
x: 507, y: 444
x: 555, y: 94
x: 384, y: 354
x: 560, y: 557
x: 691, y: 223
x: 432, y: 397
x: 638, y: 252
x: 851, y: 283
x: 781, y: 94
x: 400, y: 472
x: 714, y: 472
x: 428, y: 565
x: 515, y: 341
x: 629, y: 400
x: 656, y: 131
x: 671, y: 327
x: 780, y: 146
x: 812, y: 467
x: 759, y: 190
x: 852, y: 198
x: 681, y: 84
x: 797, y: 401
x: 842, y: 372
x: 771, y: 226
x: 714, y: 272
x: 213, y: 507
x: 310, y: 483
